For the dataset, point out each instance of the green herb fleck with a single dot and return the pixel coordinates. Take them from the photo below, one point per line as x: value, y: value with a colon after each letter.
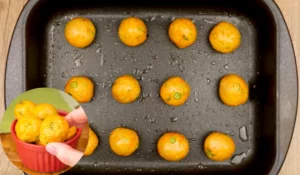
x: 172, y: 140
x: 141, y: 29
x: 137, y: 97
x: 209, y: 154
x: 236, y: 86
x: 74, y: 84
x: 177, y: 95
x: 52, y: 125
x: 168, y: 99
x: 185, y: 37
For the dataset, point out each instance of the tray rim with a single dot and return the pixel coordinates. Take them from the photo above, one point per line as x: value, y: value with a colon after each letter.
x: 286, y: 50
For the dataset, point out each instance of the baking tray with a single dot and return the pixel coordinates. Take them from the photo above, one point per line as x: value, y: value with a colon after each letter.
x: 39, y: 56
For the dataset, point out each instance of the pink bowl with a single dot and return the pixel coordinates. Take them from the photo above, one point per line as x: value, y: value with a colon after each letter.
x: 36, y: 157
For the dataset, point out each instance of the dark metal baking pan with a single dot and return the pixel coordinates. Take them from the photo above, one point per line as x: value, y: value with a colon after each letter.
x: 39, y: 56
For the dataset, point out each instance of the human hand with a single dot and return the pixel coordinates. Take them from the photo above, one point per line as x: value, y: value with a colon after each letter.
x: 77, y: 118
x: 65, y: 153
